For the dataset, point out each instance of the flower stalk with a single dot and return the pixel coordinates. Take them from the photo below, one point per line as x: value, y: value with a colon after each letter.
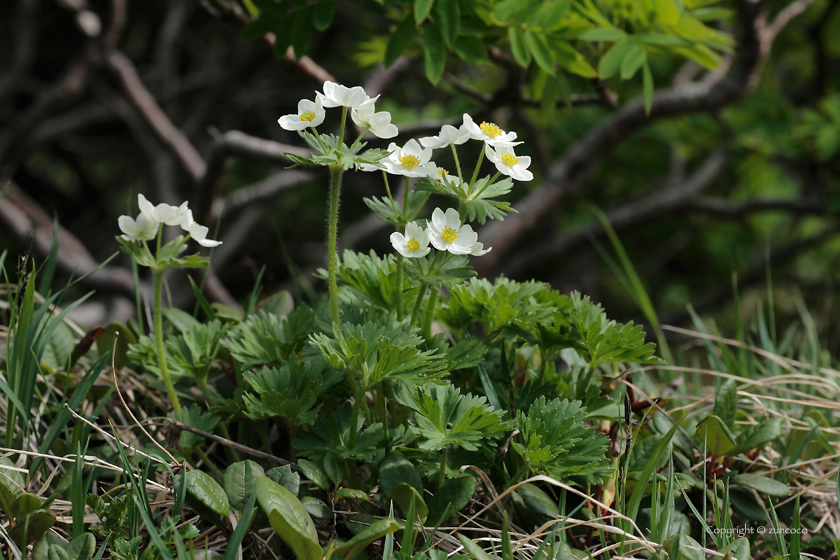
x: 164, y: 369
x: 336, y: 172
x: 430, y: 313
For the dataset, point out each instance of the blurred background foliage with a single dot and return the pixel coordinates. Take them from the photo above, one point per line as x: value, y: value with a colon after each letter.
x: 730, y: 181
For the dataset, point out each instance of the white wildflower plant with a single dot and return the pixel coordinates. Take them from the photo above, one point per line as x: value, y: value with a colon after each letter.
x: 414, y: 243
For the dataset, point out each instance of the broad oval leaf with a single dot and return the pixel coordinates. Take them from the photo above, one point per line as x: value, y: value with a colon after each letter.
x: 611, y: 61
x: 764, y: 432
x: 273, y: 497
x: 538, y: 500
x: 304, y: 545
x: 518, y: 47
x: 316, y: 507
x: 55, y: 552
x: 396, y: 469
x: 311, y: 471
x: 81, y: 547
x: 763, y: 484
x: 376, y: 531
x: 422, y: 9
x: 740, y: 549
x: 538, y: 47
x: 714, y: 434
x: 400, y: 39
x: 285, y: 477
x: 240, y: 481
x: 726, y: 402
x: 32, y: 527
x: 206, y: 491
x: 42, y: 545
x: 633, y: 61
x: 451, y: 498
x: 24, y: 505
x: 404, y: 494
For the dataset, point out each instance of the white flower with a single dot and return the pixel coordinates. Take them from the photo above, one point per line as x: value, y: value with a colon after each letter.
x: 197, y: 232
x: 447, y: 234
x: 478, y: 249
x: 411, y: 160
x: 378, y: 123
x: 490, y: 133
x: 310, y: 114
x: 143, y: 228
x: 448, y: 135
x: 163, y: 213
x: 414, y: 244
x: 508, y: 163
x: 336, y: 95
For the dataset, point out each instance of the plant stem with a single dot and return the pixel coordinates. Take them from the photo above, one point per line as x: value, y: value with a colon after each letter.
x: 398, y: 294
x: 406, y: 192
x: 442, y: 475
x: 475, y: 173
x: 388, y: 190
x: 457, y: 162
x: 430, y: 313
x: 336, y: 172
x: 341, y: 133
x: 418, y: 303
x: 164, y: 370
x: 490, y: 182
x: 353, y: 145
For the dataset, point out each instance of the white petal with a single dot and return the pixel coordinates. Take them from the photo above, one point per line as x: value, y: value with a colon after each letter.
x: 388, y: 131
x: 146, y: 207
x: 438, y: 221
x: 453, y: 219
x: 208, y: 243
x: 437, y: 241
x: 433, y: 142
x: 292, y: 122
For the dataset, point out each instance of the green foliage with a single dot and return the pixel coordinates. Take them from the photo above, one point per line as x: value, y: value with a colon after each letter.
x: 556, y: 442
x: 477, y: 199
x: 266, y: 338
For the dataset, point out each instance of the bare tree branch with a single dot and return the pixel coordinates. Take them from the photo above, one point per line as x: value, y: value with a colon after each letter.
x: 154, y: 116
x: 567, y: 173
x: 785, y: 16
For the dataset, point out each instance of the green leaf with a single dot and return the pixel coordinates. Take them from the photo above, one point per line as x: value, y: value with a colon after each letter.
x: 81, y: 547
x: 454, y: 496
x: 257, y: 28
x: 24, y: 505
x: 537, y: 500
x: 316, y: 508
x: 434, y: 53
x: 726, y: 402
x: 205, y: 491
x: 285, y: 477
x: 573, y: 61
x: 716, y: 435
x: 470, y: 49
x: 449, y: 19
x: 11, y: 479
x: 603, y: 34
x: 649, y: 469
x: 400, y: 40
x: 647, y: 87
x: 41, y: 548
x: 240, y: 481
x: 764, y: 485
x: 272, y: 497
x: 273, y: 7
x: 32, y: 527
x: 403, y: 494
x: 422, y: 8
x: 304, y: 545
x: 740, y: 549
x: 473, y: 549
x: 756, y: 436
x: 314, y: 474
x: 518, y: 47
x: 683, y: 546
x: 322, y: 14
x: 634, y: 60
x: 612, y: 59
x: 549, y: 16
x: 374, y: 532
x: 396, y: 469
x: 667, y: 12
x: 55, y: 552
x: 538, y: 47
x: 517, y: 11
x: 302, y: 31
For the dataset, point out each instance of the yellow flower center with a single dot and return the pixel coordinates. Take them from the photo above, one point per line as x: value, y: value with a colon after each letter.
x: 491, y: 129
x: 413, y: 244
x: 442, y: 172
x: 448, y: 234
x: 307, y: 116
x: 509, y: 159
x: 409, y: 160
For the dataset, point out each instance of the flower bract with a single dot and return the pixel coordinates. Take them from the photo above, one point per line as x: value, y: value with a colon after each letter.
x: 490, y: 133
x: 310, y: 114
x: 414, y: 243
x: 448, y: 135
x: 509, y: 163
x: 336, y: 95
x: 447, y: 234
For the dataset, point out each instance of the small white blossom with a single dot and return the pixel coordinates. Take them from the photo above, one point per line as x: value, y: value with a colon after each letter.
x: 143, y: 228
x: 490, y: 133
x: 411, y: 160
x: 162, y: 213
x: 448, y: 135
x: 447, y: 234
x: 414, y: 244
x: 196, y: 231
x: 336, y: 95
x: 310, y: 114
x: 509, y: 164
x: 378, y: 123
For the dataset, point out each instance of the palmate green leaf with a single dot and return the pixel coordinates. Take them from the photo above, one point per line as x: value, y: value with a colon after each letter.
x: 465, y: 354
x: 328, y: 439
x: 479, y: 207
x: 393, y: 213
x: 451, y: 274
x: 266, y: 338
x: 443, y: 416
x: 556, y: 442
x: 606, y: 341
x: 373, y: 280
x: 195, y: 417
x: 138, y: 250
x: 502, y: 302
x: 290, y: 392
x: 373, y: 352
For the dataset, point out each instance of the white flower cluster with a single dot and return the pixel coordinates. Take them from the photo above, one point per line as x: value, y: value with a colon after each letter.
x: 445, y: 232
x: 145, y: 226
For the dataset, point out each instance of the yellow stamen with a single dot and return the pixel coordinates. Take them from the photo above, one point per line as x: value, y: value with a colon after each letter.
x: 413, y: 244
x: 409, y: 160
x: 448, y: 234
x: 442, y: 172
x: 307, y: 116
x: 491, y: 129
x: 509, y: 159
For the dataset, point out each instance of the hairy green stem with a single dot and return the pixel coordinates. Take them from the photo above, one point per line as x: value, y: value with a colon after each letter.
x: 399, y: 293
x: 418, y: 303
x: 430, y: 313
x: 457, y: 162
x: 475, y: 173
x: 442, y: 474
x: 388, y: 190
x: 336, y: 172
x: 164, y: 370
x: 343, y: 123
